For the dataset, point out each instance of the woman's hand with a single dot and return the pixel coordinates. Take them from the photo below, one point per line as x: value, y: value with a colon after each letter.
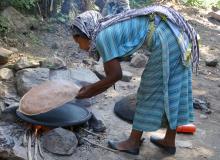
x: 85, y: 92
x: 113, y: 74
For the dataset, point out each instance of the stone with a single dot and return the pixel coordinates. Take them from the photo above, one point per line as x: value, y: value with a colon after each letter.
x: 6, y: 74
x: 8, y: 91
x: 55, y: 45
x: 126, y: 76
x: 125, y: 108
x: 139, y: 61
x: 60, y: 141
x: 53, y: 63
x: 8, y: 114
x: 99, y: 71
x: 13, y: 49
x: 12, y: 42
x: 203, y: 116
x: 215, y: 15
x: 17, y: 21
x: 202, y: 104
x: 4, y: 55
x: 23, y: 63
x: 82, y: 75
x: 25, y: 44
x: 11, y: 138
x: 89, y: 62
x: 184, y: 144
x: 214, y: 8
x: 30, y: 77
x: 212, y: 62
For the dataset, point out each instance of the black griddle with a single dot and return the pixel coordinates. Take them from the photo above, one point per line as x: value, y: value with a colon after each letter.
x: 68, y: 114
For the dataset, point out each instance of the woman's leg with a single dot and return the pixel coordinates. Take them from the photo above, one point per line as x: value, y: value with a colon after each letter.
x: 133, y: 142
x: 169, y: 139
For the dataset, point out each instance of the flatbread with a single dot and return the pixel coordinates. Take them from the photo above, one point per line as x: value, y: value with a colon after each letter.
x: 47, y: 96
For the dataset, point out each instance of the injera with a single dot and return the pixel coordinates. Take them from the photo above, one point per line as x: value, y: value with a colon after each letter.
x: 47, y: 96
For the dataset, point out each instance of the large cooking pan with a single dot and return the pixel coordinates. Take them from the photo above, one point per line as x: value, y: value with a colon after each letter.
x: 68, y: 114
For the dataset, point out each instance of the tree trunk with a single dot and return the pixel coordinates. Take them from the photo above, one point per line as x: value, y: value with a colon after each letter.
x: 66, y: 7
x: 88, y: 4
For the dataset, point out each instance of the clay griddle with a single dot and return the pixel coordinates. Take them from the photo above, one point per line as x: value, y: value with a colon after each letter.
x: 125, y: 108
x: 68, y: 114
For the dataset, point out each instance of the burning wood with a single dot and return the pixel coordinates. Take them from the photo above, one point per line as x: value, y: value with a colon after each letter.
x: 34, y: 131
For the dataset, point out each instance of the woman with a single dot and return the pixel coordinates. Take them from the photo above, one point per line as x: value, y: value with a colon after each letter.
x: 165, y: 92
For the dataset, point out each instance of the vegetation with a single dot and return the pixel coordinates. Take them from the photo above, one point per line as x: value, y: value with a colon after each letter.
x: 4, y: 27
x: 23, y: 4
x: 203, y: 3
x: 140, y: 3
x: 19, y: 4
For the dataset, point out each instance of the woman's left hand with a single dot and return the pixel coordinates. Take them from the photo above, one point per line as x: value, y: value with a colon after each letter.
x: 85, y: 92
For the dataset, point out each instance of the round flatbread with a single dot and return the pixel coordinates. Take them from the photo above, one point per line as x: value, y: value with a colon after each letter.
x: 47, y: 96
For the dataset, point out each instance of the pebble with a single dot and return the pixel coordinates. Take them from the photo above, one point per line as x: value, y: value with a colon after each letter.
x: 211, y: 62
x: 202, y: 116
x: 184, y: 144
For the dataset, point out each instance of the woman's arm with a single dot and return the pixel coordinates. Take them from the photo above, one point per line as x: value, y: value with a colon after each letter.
x: 113, y: 74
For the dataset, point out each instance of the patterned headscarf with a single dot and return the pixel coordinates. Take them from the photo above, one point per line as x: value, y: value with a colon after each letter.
x: 86, y: 22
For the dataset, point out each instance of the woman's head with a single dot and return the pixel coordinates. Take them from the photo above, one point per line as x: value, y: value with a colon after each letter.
x: 80, y: 38
x: 83, y: 27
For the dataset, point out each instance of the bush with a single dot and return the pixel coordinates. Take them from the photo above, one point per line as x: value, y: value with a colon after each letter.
x: 4, y: 27
x: 20, y: 4
x: 203, y: 3
x: 140, y: 3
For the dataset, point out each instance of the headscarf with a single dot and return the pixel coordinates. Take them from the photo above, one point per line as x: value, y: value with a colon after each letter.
x: 86, y: 22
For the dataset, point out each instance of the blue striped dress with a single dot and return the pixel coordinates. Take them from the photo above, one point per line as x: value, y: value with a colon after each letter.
x: 166, y: 84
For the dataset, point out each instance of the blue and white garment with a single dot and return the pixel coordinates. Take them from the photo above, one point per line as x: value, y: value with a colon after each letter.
x: 170, y: 14
x: 166, y: 83
x: 122, y: 39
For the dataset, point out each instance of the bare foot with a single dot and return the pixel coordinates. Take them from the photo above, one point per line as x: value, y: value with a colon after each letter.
x: 166, y: 143
x: 127, y: 144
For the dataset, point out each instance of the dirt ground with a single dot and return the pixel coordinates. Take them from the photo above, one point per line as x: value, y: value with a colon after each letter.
x: 204, y: 144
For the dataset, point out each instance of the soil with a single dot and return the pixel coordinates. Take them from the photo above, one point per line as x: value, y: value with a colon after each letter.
x: 205, y: 142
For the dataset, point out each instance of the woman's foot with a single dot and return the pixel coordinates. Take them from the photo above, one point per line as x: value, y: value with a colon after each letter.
x: 165, y: 144
x: 129, y: 146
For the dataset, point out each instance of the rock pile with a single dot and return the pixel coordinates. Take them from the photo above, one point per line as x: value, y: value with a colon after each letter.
x: 16, y: 80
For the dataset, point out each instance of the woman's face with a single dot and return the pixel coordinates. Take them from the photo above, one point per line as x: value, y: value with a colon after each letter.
x: 84, y: 43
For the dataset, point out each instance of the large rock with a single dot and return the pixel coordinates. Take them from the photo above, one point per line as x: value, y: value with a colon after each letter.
x: 125, y: 108
x: 139, y: 61
x: 211, y: 62
x: 16, y: 20
x: 215, y: 15
x: 60, y: 141
x: 6, y: 74
x: 8, y: 91
x: 23, y: 63
x: 4, y: 55
x: 30, y: 77
x: 75, y: 75
x: 53, y: 63
x: 126, y: 76
x: 11, y: 138
x: 99, y: 71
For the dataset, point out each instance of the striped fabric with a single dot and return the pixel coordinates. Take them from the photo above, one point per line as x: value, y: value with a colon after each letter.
x: 167, y: 13
x: 122, y: 39
x: 166, y: 85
